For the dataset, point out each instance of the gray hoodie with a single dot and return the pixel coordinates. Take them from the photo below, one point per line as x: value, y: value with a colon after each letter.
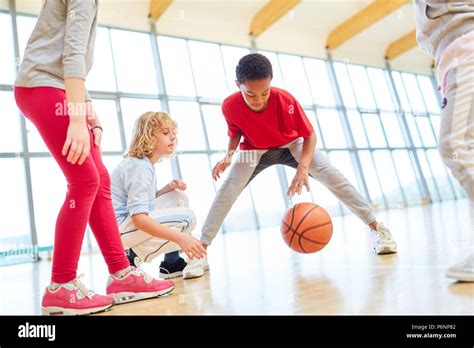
x: 61, y: 45
x: 440, y: 22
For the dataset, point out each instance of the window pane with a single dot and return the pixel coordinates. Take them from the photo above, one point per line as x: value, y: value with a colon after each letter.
x: 277, y: 77
x: 407, y: 176
x: 101, y: 77
x: 371, y: 179
x: 164, y: 172
x: 415, y: 135
x: 231, y: 56
x: 314, y: 122
x: 430, y: 181
x: 425, y: 130
x: 331, y: 128
x: 132, y: 109
x: 242, y: 215
x: 362, y: 91
x: 343, y: 162
x: 35, y: 142
x: 14, y: 202
x: 374, y: 130
x: 134, y: 62
x: 49, y: 192
x: 440, y: 173
x: 176, y: 67
x: 393, y: 130
x: 319, y: 81
x: 381, y: 89
x: 397, y: 80
x: 197, y: 176
x: 107, y: 114
x: 436, y: 122
x: 7, y: 57
x: 388, y: 177
x: 413, y: 93
x: 216, y: 127
x: 431, y: 100
x: 295, y: 78
x: 345, y: 85
x: 357, y: 129
x: 10, y: 131
x: 208, y: 70
x: 190, y: 131
x: 25, y: 28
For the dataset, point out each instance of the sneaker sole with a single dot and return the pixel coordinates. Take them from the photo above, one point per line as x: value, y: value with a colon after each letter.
x: 171, y: 275
x: 126, y: 297
x: 386, y: 250
x: 463, y: 277
x: 196, y: 275
x: 59, y: 311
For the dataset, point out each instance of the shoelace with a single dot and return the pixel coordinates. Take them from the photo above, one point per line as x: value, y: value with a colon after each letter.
x: 138, y: 271
x: 384, y: 232
x: 82, y: 290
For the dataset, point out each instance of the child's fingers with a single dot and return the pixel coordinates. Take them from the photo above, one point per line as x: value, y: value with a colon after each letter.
x: 72, y: 151
x: 67, y: 143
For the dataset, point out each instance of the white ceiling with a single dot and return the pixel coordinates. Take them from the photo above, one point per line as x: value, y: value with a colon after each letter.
x: 302, y: 31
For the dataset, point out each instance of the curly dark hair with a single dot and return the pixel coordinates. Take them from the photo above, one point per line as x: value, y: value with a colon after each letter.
x: 253, y: 66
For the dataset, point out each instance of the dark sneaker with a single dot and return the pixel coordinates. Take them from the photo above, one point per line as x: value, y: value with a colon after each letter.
x: 131, y: 257
x: 172, y: 270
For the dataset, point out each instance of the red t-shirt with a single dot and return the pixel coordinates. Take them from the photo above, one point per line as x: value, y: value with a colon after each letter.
x: 282, y: 121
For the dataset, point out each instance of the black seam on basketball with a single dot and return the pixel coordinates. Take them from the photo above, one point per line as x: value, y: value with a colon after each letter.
x: 289, y: 228
x: 301, y: 235
x: 301, y: 221
x: 308, y: 239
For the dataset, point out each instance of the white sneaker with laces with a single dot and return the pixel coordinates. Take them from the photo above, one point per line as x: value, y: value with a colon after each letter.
x: 195, y: 268
x: 383, y: 241
x: 463, y: 271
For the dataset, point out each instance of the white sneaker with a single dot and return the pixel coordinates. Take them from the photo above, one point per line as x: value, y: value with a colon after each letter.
x: 195, y: 268
x: 463, y: 271
x: 383, y: 241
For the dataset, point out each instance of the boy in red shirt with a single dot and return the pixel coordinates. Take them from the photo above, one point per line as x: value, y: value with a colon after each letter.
x: 275, y: 130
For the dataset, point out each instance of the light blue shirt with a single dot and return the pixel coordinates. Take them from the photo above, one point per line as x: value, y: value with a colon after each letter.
x: 133, y: 187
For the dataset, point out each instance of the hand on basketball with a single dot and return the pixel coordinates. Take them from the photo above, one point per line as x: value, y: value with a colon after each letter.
x: 220, y: 167
x: 301, y: 179
x: 191, y: 246
x: 176, y: 184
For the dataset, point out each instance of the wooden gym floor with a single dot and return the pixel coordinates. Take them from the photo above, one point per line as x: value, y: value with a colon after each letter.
x: 255, y: 272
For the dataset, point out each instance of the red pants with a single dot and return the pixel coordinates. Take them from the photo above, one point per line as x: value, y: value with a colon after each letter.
x: 88, y: 198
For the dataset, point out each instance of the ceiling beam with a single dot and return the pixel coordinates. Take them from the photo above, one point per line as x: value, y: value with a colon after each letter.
x: 402, y: 45
x: 157, y: 8
x: 269, y: 14
x: 361, y: 21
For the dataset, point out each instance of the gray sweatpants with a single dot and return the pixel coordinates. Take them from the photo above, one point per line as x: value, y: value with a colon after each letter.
x: 250, y: 163
x: 456, y: 139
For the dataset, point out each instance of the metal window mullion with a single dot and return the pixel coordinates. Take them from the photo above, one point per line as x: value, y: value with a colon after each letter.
x: 412, y: 148
x: 26, y: 153
x: 339, y: 101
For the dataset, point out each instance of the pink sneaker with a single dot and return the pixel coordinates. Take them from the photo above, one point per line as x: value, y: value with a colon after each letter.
x: 73, y: 298
x: 137, y: 285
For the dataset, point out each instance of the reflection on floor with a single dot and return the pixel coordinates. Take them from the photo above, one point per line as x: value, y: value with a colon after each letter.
x: 255, y: 273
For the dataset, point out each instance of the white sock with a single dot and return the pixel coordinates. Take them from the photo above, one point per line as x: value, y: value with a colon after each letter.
x: 123, y: 273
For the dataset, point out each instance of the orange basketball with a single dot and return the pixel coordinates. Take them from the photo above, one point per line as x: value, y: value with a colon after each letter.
x: 306, y: 228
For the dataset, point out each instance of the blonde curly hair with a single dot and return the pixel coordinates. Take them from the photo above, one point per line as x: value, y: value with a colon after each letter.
x: 143, y: 138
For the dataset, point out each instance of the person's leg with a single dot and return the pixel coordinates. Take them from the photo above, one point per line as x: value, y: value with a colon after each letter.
x: 40, y: 106
x: 102, y: 219
x: 456, y: 145
x: 328, y: 175
x: 246, y: 167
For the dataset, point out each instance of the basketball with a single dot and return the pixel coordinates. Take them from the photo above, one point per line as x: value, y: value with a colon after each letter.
x: 306, y: 228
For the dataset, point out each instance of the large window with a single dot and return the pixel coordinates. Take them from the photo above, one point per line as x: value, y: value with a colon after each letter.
x: 387, y: 151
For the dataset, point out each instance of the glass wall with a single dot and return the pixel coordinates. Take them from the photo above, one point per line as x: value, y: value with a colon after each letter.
x: 379, y: 128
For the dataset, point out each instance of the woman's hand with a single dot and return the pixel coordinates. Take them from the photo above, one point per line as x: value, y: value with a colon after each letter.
x: 77, y: 144
x: 93, y: 121
x: 191, y: 246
